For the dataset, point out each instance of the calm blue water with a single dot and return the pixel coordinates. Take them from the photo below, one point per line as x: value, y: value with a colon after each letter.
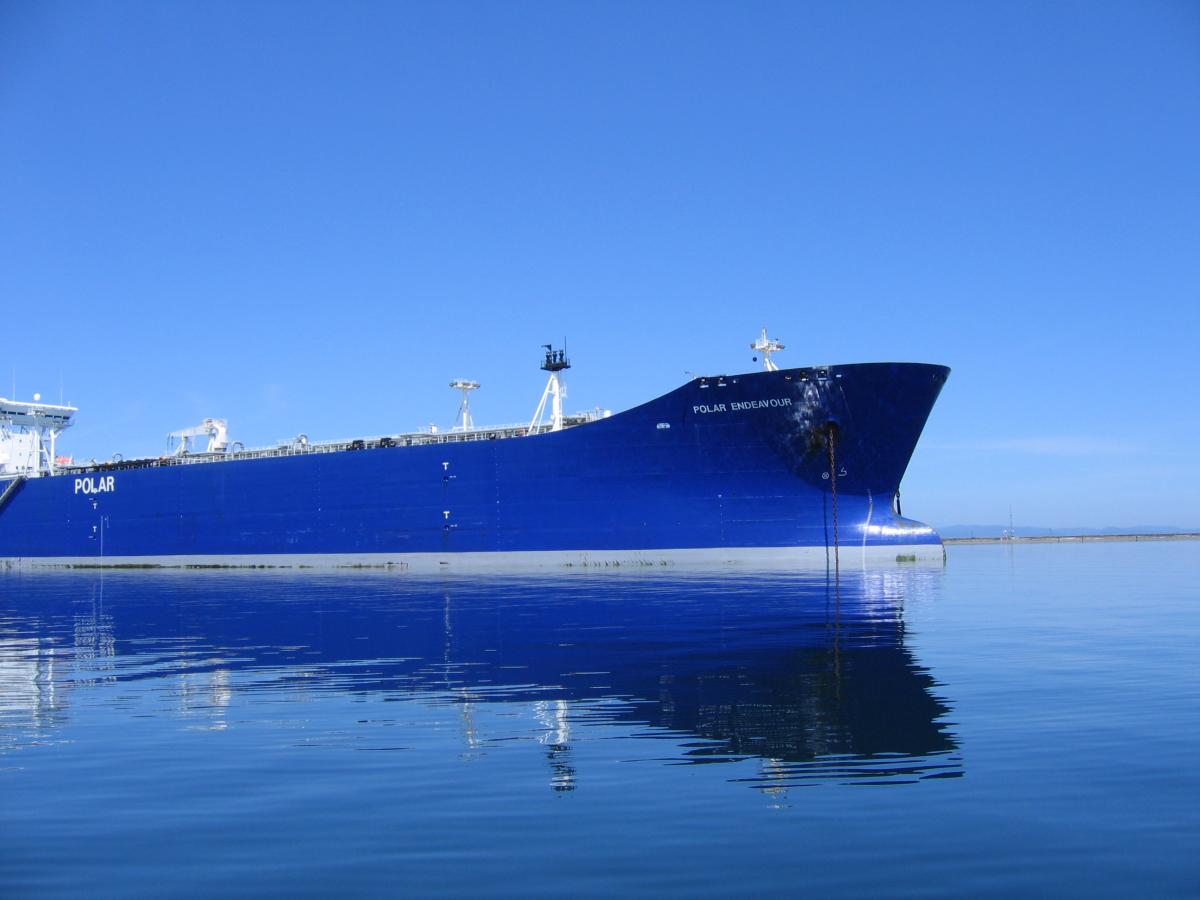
x: 1025, y: 721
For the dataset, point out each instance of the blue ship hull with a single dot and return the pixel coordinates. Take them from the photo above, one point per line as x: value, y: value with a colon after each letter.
x: 735, y: 467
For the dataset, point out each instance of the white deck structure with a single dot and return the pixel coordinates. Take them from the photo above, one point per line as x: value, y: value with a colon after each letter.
x: 28, y: 433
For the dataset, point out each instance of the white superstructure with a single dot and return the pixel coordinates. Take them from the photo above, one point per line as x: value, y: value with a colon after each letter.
x: 28, y: 432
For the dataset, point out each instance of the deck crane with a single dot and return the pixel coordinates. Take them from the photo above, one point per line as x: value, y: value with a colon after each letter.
x: 216, y: 430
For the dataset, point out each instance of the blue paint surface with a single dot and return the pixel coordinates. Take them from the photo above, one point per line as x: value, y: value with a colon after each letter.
x: 734, y: 461
x: 1021, y: 723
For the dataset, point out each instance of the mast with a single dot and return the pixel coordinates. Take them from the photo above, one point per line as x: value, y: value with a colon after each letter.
x: 464, y: 422
x: 555, y: 363
x: 766, y: 346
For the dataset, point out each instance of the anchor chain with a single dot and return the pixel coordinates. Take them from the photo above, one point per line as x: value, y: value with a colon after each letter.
x: 832, y: 444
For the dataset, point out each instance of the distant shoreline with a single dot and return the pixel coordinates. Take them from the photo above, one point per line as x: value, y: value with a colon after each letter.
x: 1073, y: 538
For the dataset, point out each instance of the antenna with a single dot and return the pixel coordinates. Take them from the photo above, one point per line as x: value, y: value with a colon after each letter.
x: 766, y: 346
x: 464, y: 422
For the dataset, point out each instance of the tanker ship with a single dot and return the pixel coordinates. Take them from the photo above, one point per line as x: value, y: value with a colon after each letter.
x: 776, y: 468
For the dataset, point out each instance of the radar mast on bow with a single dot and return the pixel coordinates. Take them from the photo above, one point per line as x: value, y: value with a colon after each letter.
x: 766, y: 346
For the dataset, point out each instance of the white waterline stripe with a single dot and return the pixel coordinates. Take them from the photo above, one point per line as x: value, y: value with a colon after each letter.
x: 757, y: 557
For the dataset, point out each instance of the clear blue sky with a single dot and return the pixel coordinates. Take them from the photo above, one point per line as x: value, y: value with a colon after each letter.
x: 310, y: 217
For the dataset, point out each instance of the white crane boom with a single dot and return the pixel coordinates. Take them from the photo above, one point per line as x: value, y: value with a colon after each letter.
x: 216, y: 430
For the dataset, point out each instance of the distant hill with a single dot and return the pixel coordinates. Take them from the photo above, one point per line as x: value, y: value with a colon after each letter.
x: 961, y: 531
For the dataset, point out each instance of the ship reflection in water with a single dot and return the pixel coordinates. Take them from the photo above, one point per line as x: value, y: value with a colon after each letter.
x: 782, y: 675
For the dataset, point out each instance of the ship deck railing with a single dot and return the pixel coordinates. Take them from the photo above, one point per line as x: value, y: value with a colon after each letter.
x: 303, y: 447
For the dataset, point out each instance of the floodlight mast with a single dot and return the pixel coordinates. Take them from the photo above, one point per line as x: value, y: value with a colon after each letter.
x: 766, y: 346
x: 464, y: 422
x: 555, y: 363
